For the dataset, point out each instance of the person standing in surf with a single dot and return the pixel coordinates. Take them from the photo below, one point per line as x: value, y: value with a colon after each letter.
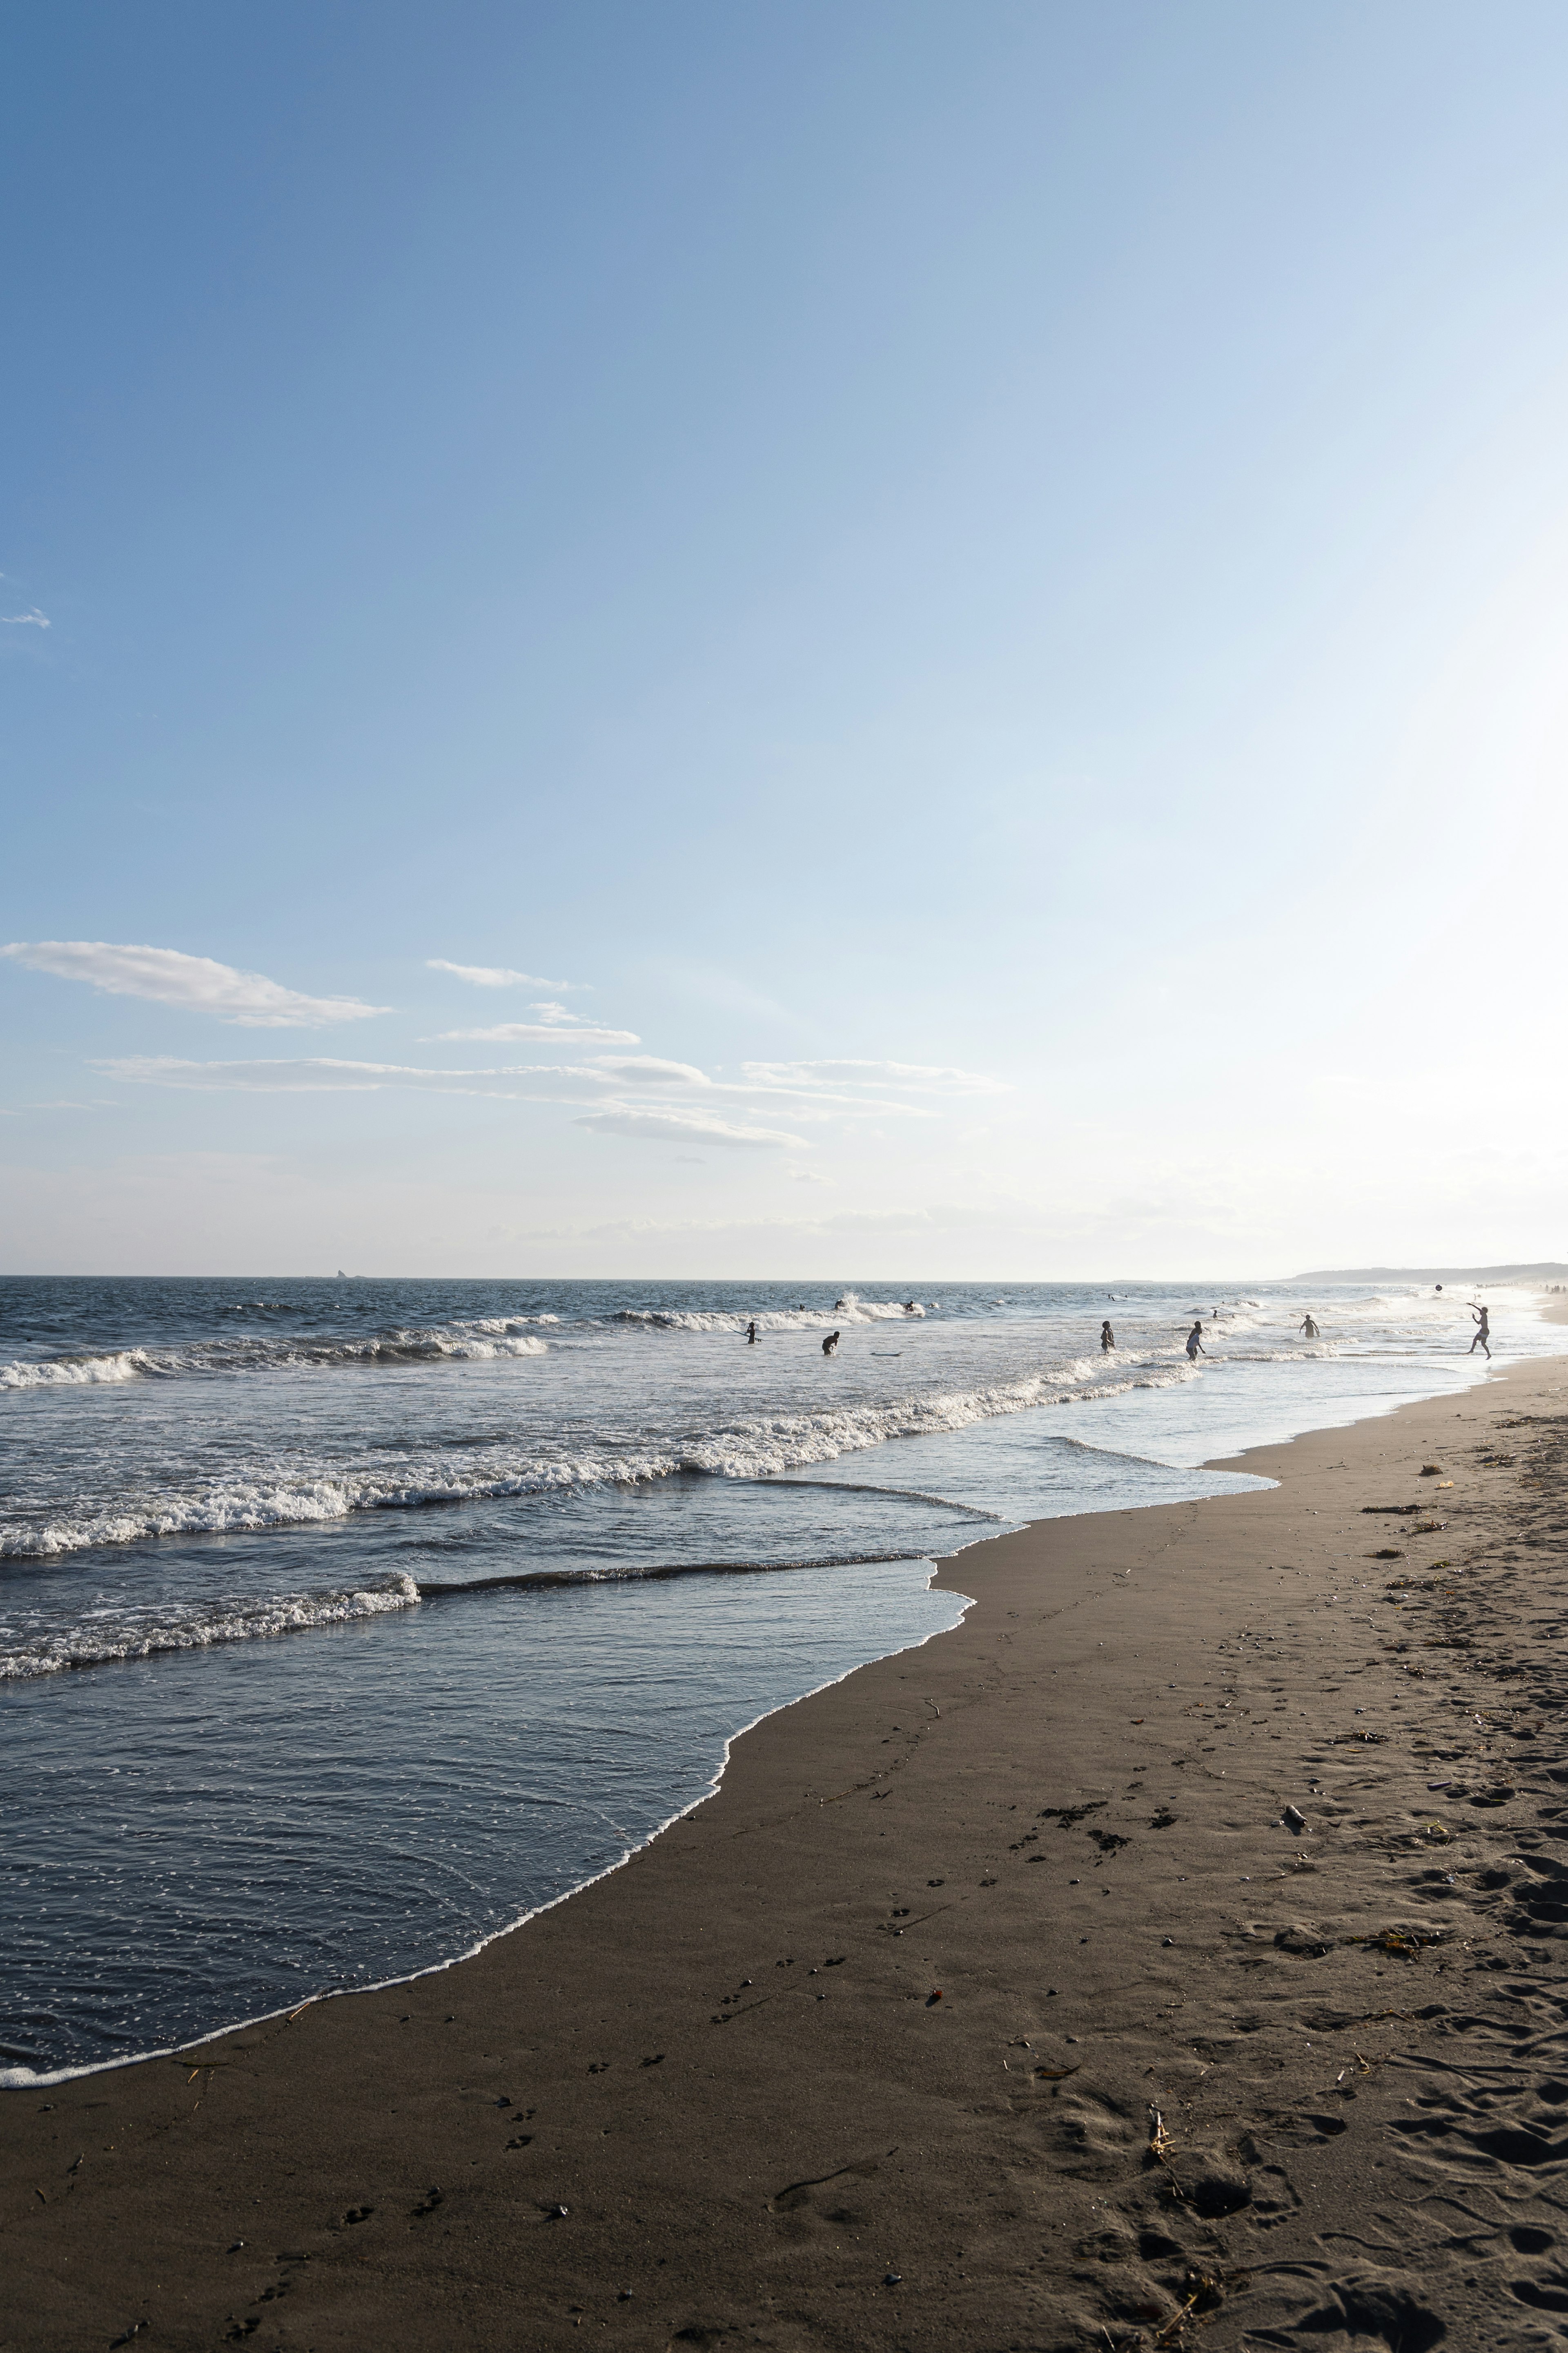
x: 1483, y: 1333
x: 1107, y: 1339
x: 1195, y: 1342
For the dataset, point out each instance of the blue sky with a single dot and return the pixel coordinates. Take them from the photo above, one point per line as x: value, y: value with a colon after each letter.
x: 987, y: 585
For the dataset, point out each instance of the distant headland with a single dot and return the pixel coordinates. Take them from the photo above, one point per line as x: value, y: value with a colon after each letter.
x: 1538, y: 1273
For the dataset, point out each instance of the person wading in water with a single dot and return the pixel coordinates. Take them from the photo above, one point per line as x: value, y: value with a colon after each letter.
x: 1483, y: 1333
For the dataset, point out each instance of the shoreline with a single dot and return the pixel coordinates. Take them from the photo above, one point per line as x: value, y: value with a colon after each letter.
x: 11, y: 2082
x: 973, y: 2113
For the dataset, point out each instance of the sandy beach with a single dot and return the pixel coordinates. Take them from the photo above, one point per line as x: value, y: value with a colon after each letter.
x: 996, y: 2000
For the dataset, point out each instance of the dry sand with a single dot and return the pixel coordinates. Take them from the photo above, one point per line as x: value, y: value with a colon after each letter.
x: 990, y: 2003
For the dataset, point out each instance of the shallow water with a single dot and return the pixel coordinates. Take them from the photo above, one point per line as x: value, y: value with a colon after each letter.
x: 341, y: 1625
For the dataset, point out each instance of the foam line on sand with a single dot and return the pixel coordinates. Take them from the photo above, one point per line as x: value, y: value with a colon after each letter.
x: 1177, y: 1941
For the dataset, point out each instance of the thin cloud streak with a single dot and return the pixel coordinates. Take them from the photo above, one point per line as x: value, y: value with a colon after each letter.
x: 555, y: 1022
x: 557, y: 1033
x: 686, y: 1127
x: 326, y: 1074
x: 33, y: 620
x: 494, y: 976
x: 602, y: 1075
x: 194, y: 983
x: 913, y: 1078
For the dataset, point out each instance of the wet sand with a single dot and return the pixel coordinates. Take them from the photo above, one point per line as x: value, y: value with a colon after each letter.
x: 993, y: 2002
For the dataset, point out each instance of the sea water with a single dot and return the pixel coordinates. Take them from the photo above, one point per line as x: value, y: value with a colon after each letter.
x: 343, y: 1624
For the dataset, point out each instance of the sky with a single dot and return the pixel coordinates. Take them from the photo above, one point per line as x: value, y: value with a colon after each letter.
x: 865, y: 640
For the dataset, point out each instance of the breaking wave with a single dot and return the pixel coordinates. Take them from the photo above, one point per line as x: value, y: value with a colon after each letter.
x: 489, y: 1336
x: 848, y: 1309
x: 744, y: 1449
x: 101, y: 1641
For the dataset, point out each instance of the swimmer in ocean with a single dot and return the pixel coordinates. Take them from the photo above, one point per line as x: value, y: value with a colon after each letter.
x: 1107, y: 1339
x: 1196, y: 1341
x: 830, y: 1345
x: 752, y: 1335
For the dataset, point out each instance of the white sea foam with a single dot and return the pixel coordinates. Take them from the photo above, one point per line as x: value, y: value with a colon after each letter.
x: 76, y: 1372
x: 846, y: 1310
x: 486, y: 1338
x: 744, y: 1448
x: 141, y: 1634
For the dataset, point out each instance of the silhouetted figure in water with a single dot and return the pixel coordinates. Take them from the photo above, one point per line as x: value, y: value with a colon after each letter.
x: 1107, y: 1339
x: 830, y: 1345
x: 751, y: 1336
x: 1309, y: 1327
x: 1483, y: 1333
x: 1196, y: 1341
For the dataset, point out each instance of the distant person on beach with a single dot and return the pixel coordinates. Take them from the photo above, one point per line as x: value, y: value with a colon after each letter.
x: 1196, y: 1341
x: 830, y: 1345
x: 1310, y: 1328
x: 1483, y: 1333
x: 752, y: 1335
x: 1107, y: 1339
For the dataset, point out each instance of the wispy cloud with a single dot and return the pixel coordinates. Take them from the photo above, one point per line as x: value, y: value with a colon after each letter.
x: 197, y: 983
x: 597, y: 1078
x: 328, y: 1074
x: 685, y: 1127
x: 649, y: 1070
x: 33, y: 620
x: 538, y: 1033
x: 495, y: 975
x: 557, y: 1024
x: 522, y: 1083
x: 909, y: 1078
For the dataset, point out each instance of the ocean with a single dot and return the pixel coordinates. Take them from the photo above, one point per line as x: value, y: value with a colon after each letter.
x: 345, y: 1623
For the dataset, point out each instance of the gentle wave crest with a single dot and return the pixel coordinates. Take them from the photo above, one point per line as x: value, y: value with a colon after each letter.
x: 489, y: 1336
x: 744, y: 1449
x: 143, y: 1634
x: 848, y: 1309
